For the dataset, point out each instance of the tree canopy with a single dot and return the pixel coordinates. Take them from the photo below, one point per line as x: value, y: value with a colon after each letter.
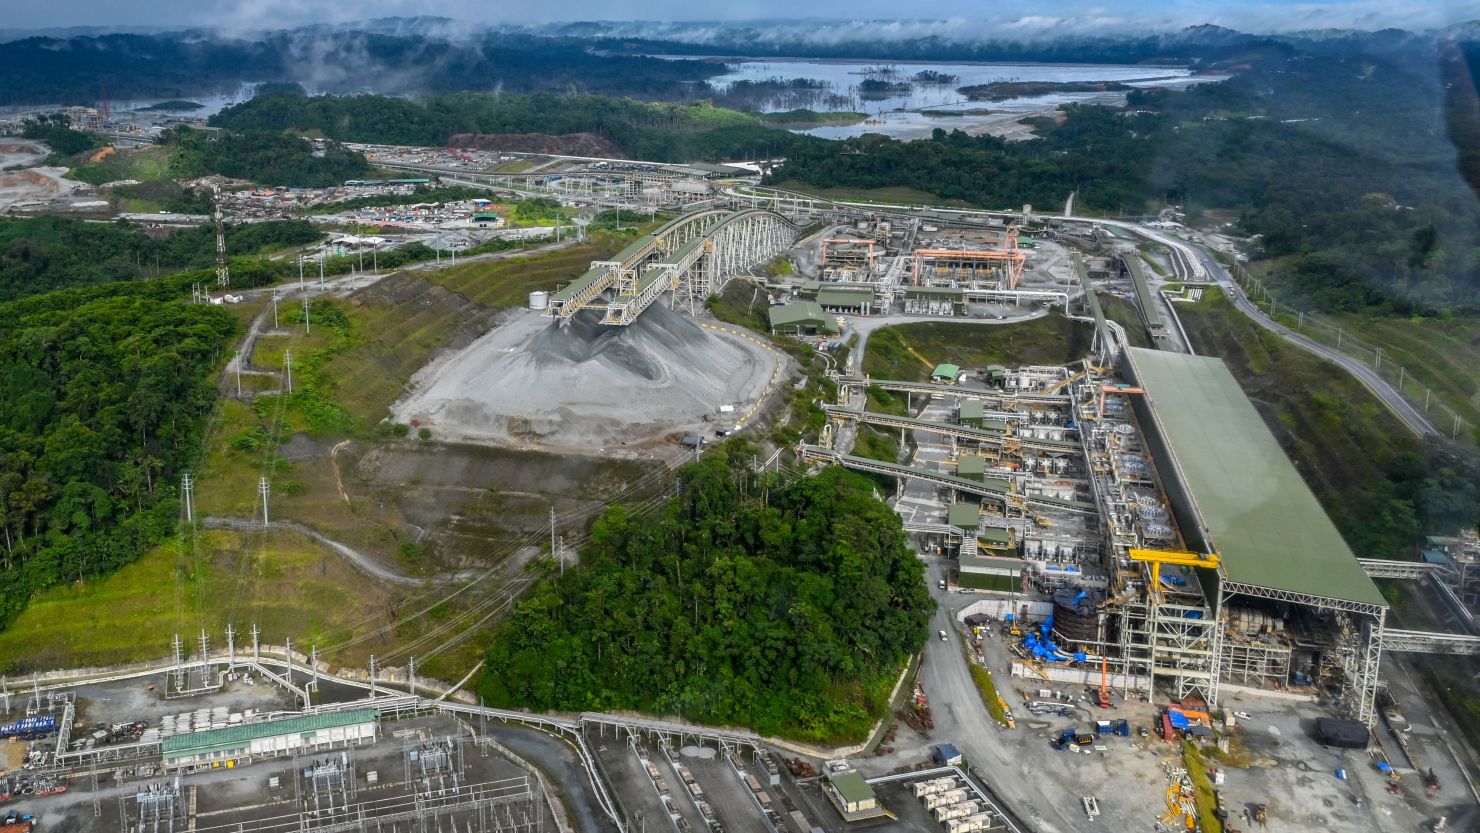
x: 263, y: 157
x: 39, y: 254
x: 789, y: 606
x: 102, y: 394
x: 1369, y: 213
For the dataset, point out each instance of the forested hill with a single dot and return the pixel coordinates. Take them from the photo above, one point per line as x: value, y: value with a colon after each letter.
x: 789, y: 606
x: 103, y: 391
x: 176, y: 65
x: 638, y: 129
x: 1339, y: 160
x: 40, y: 254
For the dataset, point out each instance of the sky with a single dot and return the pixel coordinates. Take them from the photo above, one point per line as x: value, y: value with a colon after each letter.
x: 1012, y: 15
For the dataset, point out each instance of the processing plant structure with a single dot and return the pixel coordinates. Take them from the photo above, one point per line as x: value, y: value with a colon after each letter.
x: 1153, y: 536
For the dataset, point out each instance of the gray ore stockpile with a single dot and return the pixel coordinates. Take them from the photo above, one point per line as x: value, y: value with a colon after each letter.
x: 587, y: 385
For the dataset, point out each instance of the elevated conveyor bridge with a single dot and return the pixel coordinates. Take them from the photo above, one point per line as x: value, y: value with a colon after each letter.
x: 991, y: 487
x: 1008, y: 400
x: 964, y: 432
x: 692, y: 256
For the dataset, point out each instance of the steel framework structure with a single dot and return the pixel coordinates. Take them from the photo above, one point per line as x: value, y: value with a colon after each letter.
x: 692, y: 256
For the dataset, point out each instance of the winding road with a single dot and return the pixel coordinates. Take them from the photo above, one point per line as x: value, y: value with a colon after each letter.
x: 361, y: 561
x: 1406, y: 411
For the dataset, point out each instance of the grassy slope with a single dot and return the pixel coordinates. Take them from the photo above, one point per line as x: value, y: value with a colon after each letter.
x: 288, y: 585
x: 284, y: 583
x: 895, y: 352
x: 1440, y: 353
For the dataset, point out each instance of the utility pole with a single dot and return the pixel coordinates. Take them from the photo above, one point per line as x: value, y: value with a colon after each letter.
x: 288, y: 651
x: 264, y: 488
x: 274, y: 311
x: 179, y: 663
x: 223, y: 272
x: 307, y: 327
x: 411, y: 673
x: 552, y: 529
x: 231, y: 644
x: 187, y: 490
x: 205, y: 658
x: 372, y: 676
x: 1402, y: 373
x: 321, y: 270
x: 238, y: 364
x: 1377, y: 354
x: 256, y: 645
x: 288, y: 369
x: 562, y: 555
x: 313, y: 664
x: 300, y: 271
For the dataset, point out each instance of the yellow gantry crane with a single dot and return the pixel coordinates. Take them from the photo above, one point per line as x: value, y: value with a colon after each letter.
x: 1177, y: 558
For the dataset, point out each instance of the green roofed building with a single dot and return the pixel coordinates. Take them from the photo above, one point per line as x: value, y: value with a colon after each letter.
x: 965, y: 516
x: 852, y: 795
x: 845, y: 300
x: 945, y: 373
x: 1237, y: 494
x: 971, y: 466
x: 972, y: 412
x: 998, y: 539
x: 239, y: 744
x: 1234, y: 493
x: 801, y: 318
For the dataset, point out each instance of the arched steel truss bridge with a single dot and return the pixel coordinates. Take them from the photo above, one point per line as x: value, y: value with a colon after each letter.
x: 693, y: 256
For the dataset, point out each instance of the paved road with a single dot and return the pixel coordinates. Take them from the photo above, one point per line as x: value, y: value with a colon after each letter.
x: 961, y: 719
x: 1410, y: 415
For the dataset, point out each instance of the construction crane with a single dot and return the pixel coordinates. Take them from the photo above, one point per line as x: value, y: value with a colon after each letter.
x: 1177, y: 558
x: 1104, y: 683
x: 223, y: 272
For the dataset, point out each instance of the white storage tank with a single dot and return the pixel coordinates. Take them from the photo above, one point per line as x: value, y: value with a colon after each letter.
x: 539, y: 300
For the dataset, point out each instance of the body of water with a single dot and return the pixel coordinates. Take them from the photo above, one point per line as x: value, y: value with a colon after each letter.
x: 905, y: 109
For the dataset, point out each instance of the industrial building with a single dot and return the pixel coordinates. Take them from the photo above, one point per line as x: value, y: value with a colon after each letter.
x: 801, y: 318
x: 1149, y: 527
x: 239, y: 744
x: 852, y: 795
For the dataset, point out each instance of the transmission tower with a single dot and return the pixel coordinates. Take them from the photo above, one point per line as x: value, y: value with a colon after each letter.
x: 264, y: 488
x: 223, y: 272
x: 187, y: 491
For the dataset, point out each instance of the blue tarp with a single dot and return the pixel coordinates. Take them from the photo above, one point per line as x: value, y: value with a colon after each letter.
x: 1179, y: 720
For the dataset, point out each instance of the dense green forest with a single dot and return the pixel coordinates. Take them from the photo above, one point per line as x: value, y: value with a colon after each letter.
x: 641, y: 130
x: 266, y: 158
x: 39, y: 254
x: 175, y: 65
x: 102, y: 394
x: 789, y: 606
x: 1368, y: 211
x: 56, y: 131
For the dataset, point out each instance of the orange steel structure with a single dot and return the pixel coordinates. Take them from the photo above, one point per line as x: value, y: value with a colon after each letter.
x: 1011, y: 256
